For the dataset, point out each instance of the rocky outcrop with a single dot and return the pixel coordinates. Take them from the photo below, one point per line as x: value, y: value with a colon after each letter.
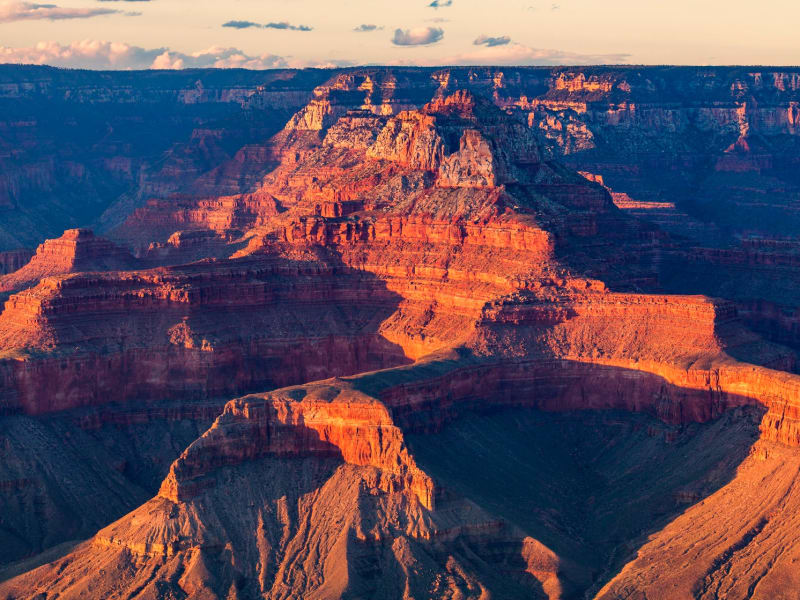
x: 171, y: 332
x: 653, y: 131
x: 322, y: 420
x: 472, y: 166
x: 76, y: 251
x: 414, y: 264
x: 140, y: 136
x: 410, y: 139
x: 159, y: 220
x: 362, y: 421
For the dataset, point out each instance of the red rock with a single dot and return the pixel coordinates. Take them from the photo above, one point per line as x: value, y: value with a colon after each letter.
x: 75, y: 251
x: 409, y: 236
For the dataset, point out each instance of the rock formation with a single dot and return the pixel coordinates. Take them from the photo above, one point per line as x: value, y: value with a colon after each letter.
x: 439, y: 361
x: 78, y: 250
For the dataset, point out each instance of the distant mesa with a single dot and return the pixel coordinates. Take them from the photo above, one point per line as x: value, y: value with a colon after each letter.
x: 77, y: 250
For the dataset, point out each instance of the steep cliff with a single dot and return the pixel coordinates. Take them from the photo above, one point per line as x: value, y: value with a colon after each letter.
x: 12, y: 260
x: 706, y: 138
x: 78, y: 250
x: 705, y: 154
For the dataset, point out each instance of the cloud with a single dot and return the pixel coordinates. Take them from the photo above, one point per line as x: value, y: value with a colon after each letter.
x: 515, y: 54
x: 11, y: 10
x: 91, y: 54
x: 440, y: 3
x: 285, y: 25
x: 421, y: 36
x: 367, y: 27
x: 240, y: 24
x: 483, y: 40
x: 94, y: 54
x: 552, y: 7
x: 251, y: 24
x: 217, y: 57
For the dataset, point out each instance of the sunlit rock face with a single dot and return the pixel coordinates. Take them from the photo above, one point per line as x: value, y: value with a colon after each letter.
x: 418, y: 333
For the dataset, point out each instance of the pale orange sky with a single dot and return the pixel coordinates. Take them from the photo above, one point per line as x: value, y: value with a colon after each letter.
x: 100, y: 34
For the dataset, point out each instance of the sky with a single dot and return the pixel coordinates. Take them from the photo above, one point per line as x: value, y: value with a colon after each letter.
x: 137, y: 34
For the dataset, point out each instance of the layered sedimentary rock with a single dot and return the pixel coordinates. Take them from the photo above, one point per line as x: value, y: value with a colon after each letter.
x: 702, y: 153
x: 660, y: 136
x: 759, y: 274
x: 12, y: 260
x: 160, y: 222
x: 412, y: 234
x: 78, y: 250
x: 79, y: 154
x: 711, y: 139
x: 345, y: 436
x: 180, y: 318
x: 206, y: 330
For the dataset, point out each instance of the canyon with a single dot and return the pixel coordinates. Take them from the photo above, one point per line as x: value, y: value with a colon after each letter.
x: 400, y: 332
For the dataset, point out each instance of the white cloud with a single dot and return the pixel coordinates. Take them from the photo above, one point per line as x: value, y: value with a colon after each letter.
x: 10, y: 11
x: 218, y: 57
x: 92, y: 54
x: 95, y: 54
x: 519, y: 54
x: 420, y: 36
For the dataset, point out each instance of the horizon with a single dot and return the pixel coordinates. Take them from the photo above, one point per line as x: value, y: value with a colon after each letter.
x: 410, y: 67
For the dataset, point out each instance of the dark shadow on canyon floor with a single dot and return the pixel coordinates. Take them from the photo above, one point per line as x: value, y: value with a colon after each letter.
x: 589, y: 484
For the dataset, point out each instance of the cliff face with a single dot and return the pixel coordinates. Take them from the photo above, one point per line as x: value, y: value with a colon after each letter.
x: 345, y: 443
x: 76, y: 251
x: 709, y: 140
x: 411, y: 243
x: 396, y: 270
x: 705, y: 138
x: 140, y: 136
x: 686, y: 149
x: 172, y: 333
